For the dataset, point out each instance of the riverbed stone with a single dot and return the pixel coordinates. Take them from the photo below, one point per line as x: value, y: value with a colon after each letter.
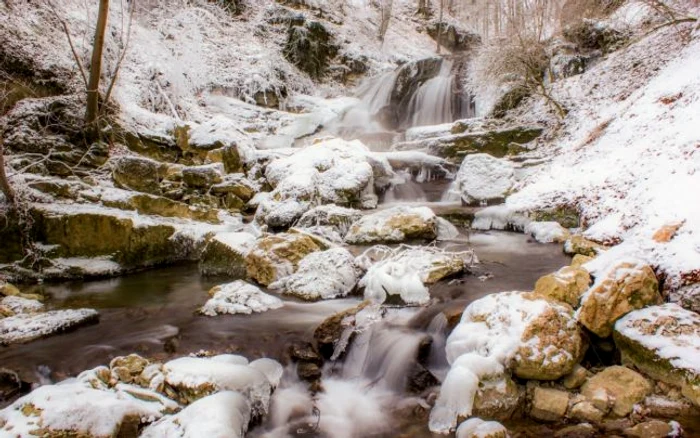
x: 627, y: 286
x: 649, y: 429
x: 225, y: 255
x: 238, y: 297
x: 663, y: 342
x: 7, y: 289
x: 582, y: 430
x: 547, y: 232
x: 329, y: 332
x: 586, y: 411
x: 549, y: 404
x: 138, y: 173
x: 624, y: 387
x: 579, y: 260
x: 394, y: 225
x: 575, y: 378
x: 478, y: 428
x: 498, y: 398
x: 566, y: 285
x: 276, y: 256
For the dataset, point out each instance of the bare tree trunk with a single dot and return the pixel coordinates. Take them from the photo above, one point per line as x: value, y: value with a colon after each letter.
x: 386, y: 9
x: 423, y: 8
x: 439, y: 29
x: 93, y: 92
x: 5, y: 186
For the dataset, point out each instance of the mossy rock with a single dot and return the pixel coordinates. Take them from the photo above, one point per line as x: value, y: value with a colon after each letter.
x: 11, y: 231
x: 92, y: 234
x: 566, y: 216
x: 310, y: 47
x: 509, y: 101
x: 498, y: 143
x: 160, y: 206
x: 640, y: 335
x: 578, y: 244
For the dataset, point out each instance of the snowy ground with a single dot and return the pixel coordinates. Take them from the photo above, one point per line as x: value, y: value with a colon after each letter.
x: 628, y: 155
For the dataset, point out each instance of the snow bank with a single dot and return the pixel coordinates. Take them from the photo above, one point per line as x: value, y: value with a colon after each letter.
x: 238, y: 297
x: 628, y: 156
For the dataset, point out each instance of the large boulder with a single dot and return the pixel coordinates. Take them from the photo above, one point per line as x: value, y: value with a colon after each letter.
x: 203, y: 177
x: 483, y: 179
x: 453, y: 37
x: 591, y: 34
x: 138, y: 173
x: 619, y: 387
x: 394, y: 225
x: 663, y: 342
x: 478, y: 428
x: 534, y: 337
x: 547, y: 232
x: 321, y: 275
x: 578, y: 244
x: 310, y: 46
x: 329, y: 172
x: 566, y: 285
x: 238, y: 297
x: 276, y: 256
x: 225, y: 255
x: 627, y: 286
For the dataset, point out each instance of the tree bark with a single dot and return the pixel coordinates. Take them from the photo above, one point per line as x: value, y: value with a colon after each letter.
x: 93, y: 93
x: 439, y: 29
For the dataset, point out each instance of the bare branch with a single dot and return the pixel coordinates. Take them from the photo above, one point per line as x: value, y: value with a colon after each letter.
x: 108, y: 94
x: 66, y: 30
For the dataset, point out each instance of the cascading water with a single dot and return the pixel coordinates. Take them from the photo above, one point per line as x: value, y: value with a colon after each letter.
x: 434, y: 102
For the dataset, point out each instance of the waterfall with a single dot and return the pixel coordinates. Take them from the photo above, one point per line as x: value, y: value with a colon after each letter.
x: 434, y: 102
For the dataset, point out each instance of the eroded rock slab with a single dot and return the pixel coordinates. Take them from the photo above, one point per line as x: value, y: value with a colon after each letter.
x: 28, y: 327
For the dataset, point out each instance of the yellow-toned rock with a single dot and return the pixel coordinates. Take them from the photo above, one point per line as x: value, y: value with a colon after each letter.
x: 566, y: 285
x: 275, y: 256
x: 580, y: 245
x: 667, y: 232
x: 626, y: 287
x: 622, y: 385
x: 579, y: 260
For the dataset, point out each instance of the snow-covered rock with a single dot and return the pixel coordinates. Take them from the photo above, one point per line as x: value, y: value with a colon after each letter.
x: 225, y: 414
x: 278, y: 255
x: 238, y: 297
x: 393, y: 225
x: 225, y: 254
x: 27, y: 327
x: 329, y: 172
x: 195, y: 377
x: 17, y: 304
x: 536, y: 338
x: 664, y: 343
x: 482, y: 179
x: 547, y: 232
x: 321, y: 275
x: 408, y: 271
x: 626, y: 286
x: 499, y: 217
x: 74, y: 408
x: 478, y: 428
x: 332, y: 215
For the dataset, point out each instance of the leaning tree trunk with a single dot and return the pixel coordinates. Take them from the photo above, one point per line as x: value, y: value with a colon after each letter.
x: 91, y: 114
x: 439, y: 29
